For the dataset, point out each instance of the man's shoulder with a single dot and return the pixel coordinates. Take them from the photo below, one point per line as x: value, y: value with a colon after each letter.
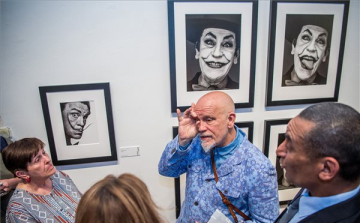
x: 252, y: 155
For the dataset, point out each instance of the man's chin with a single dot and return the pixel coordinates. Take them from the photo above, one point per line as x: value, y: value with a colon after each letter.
x: 207, y: 147
x: 304, y: 74
x: 77, y: 136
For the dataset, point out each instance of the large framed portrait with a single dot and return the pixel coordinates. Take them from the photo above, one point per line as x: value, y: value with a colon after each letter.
x: 307, y: 42
x: 274, y: 135
x: 180, y: 182
x: 79, y: 123
x: 212, y: 47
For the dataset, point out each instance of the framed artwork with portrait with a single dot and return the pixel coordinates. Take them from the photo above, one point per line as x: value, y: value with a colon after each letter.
x: 307, y: 40
x: 274, y: 135
x: 79, y: 123
x: 180, y: 182
x: 212, y: 47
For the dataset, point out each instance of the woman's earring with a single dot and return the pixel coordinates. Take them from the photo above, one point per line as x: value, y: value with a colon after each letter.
x: 28, y: 180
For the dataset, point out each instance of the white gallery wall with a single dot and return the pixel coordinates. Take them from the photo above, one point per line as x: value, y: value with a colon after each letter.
x: 125, y: 43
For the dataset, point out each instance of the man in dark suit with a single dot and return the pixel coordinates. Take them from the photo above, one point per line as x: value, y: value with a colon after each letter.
x: 321, y: 154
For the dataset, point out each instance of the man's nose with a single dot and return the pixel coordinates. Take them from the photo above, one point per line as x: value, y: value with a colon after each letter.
x: 201, y: 126
x: 217, y: 50
x: 81, y: 121
x: 281, y: 150
x: 311, y: 46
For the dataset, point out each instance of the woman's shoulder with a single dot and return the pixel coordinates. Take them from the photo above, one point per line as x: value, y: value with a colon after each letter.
x: 60, y: 175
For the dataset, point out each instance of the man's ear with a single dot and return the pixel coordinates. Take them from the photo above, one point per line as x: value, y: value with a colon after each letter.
x: 236, y: 56
x: 21, y: 174
x: 327, y: 51
x: 330, y: 168
x: 231, y: 119
x: 293, y: 44
x: 292, y: 49
x: 197, y: 53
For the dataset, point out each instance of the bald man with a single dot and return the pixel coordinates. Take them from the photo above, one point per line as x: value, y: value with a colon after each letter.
x: 245, y: 177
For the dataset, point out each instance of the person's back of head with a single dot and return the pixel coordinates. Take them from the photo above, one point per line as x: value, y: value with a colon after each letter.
x: 125, y: 199
x: 336, y: 134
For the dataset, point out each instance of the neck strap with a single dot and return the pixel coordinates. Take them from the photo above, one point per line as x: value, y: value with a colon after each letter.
x: 226, y: 201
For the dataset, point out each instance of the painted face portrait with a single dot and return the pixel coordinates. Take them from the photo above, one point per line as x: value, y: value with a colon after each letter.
x: 216, y: 54
x: 309, y: 51
x: 74, y: 116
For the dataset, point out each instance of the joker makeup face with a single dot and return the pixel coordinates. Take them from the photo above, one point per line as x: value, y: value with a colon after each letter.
x: 309, y: 50
x: 217, y: 53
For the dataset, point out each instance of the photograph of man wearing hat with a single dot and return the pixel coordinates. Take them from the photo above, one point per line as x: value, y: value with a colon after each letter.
x: 311, y: 37
x: 216, y: 41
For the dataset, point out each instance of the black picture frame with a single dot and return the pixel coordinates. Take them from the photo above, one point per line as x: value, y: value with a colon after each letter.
x: 247, y: 127
x: 290, y: 51
x: 274, y: 136
x: 94, y: 132
x: 184, y: 18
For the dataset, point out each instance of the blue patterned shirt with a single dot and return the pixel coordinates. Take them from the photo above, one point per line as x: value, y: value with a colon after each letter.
x: 59, y: 206
x: 247, y: 178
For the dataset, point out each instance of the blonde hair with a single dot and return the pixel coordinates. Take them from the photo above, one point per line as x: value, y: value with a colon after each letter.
x: 125, y: 199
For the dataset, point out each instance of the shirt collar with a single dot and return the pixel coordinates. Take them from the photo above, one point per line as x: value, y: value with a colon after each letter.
x: 309, y: 205
x: 202, y: 82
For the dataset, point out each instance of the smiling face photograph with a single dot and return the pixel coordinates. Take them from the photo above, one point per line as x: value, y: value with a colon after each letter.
x: 306, y: 50
x: 213, y: 51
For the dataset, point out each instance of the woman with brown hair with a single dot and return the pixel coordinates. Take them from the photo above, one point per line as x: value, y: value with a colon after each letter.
x: 125, y: 199
x: 44, y: 194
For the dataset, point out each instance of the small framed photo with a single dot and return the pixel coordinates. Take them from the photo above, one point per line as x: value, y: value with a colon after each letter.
x: 212, y: 47
x: 79, y: 123
x: 180, y: 182
x: 307, y: 40
x: 274, y: 135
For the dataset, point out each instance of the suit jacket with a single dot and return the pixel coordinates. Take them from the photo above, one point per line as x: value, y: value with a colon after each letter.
x: 230, y: 84
x: 347, y: 211
x: 318, y: 79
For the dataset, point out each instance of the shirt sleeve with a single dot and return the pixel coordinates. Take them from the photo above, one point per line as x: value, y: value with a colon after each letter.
x: 263, y: 193
x: 173, y: 161
x: 16, y: 213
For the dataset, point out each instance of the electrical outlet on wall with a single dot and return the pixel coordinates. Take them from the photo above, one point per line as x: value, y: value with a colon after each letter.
x: 130, y: 151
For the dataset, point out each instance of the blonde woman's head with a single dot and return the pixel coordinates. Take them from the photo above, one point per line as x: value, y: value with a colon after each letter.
x: 125, y: 199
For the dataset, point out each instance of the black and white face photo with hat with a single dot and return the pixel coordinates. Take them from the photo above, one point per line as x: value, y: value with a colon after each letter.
x: 216, y: 47
x: 310, y: 38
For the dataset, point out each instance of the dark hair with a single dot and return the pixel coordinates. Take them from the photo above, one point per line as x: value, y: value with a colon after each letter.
x: 294, y: 24
x: 18, y: 154
x: 336, y: 134
x: 196, y: 24
x: 117, y: 200
x: 62, y: 105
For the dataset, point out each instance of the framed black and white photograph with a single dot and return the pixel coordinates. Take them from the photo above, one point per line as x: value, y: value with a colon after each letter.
x: 180, y: 182
x: 307, y: 42
x: 212, y: 47
x: 274, y: 135
x: 79, y: 123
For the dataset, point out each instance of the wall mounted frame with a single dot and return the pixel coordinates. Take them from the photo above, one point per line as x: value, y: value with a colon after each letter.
x: 307, y: 42
x: 79, y: 123
x: 187, y: 21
